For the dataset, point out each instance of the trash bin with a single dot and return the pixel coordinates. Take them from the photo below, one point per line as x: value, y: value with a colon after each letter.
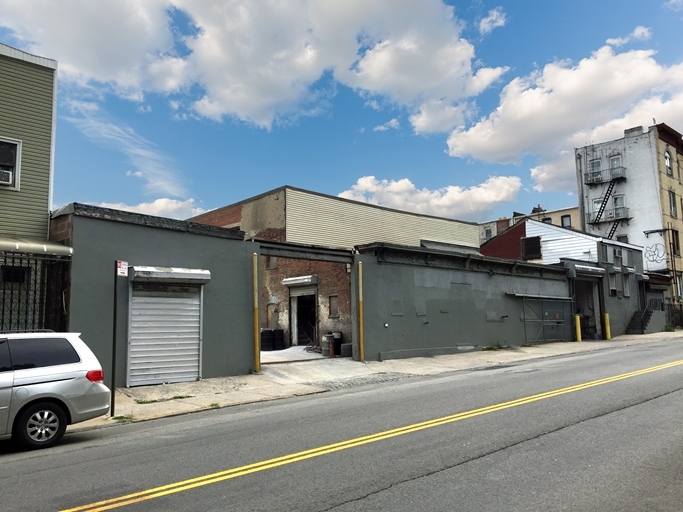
x: 278, y: 339
x: 266, y: 339
x: 327, y: 342
x: 337, y: 337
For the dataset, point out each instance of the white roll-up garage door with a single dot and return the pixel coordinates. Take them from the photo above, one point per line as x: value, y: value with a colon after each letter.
x: 165, y: 335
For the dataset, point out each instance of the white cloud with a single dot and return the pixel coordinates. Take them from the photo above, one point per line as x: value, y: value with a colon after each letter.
x: 547, y: 112
x: 163, y: 207
x: 137, y: 174
x: 391, y: 124
x: 437, y: 117
x: 474, y: 203
x: 151, y: 164
x: 144, y: 109
x: 495, y: 19
x: 259, y: 62
x: 640, y: 33
x: 674, y: 5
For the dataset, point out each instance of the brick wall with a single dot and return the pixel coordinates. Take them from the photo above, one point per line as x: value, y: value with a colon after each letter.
x: 333, y: 280
x: 221, y: 217
x: 60, y: 230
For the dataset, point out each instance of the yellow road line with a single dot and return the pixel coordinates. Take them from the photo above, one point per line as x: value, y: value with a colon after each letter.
x: 220, y: 476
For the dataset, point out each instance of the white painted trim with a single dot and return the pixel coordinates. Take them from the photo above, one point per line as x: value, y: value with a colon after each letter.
x: 17, y: 164
x: 14, y: 53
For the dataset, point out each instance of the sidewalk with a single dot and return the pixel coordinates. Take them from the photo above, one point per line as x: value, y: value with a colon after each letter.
x: 294, y: 372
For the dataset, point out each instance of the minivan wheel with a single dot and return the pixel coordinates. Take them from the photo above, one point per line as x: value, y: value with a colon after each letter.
x: 40, y: 426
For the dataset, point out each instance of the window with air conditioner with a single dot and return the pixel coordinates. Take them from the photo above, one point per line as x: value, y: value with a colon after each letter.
x: 667, y: 163
x: 10, y: 162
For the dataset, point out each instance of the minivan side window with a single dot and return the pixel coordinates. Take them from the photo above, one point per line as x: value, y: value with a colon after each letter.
x: 5, y: 363
x: 40, y: 352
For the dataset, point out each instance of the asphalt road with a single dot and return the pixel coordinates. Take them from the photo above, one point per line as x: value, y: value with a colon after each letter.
x: 589, y: 432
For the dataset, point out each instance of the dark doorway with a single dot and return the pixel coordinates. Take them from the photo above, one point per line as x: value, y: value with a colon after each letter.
x: 306, y: 319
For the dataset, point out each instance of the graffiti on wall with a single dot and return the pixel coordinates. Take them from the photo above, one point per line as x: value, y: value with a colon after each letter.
x: 655, y: 253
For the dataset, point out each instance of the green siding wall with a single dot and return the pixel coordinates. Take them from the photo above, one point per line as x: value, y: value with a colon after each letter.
x: 26, y: 110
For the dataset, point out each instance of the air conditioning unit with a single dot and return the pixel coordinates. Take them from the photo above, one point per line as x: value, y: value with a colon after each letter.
x: 617, y: 253
x: 610, y: 214
x: 5, y: 177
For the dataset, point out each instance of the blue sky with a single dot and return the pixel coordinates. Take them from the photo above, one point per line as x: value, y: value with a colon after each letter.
x: 468, y: 110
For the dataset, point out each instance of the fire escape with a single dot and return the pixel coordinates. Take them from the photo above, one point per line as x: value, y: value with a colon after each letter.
x: 616, y: 215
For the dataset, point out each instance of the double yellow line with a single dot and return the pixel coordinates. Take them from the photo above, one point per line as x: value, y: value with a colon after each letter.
x: 213, y: 478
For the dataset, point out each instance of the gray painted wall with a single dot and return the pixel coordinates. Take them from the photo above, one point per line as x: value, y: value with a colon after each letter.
x: 228, y: 298
x: 431, y: 311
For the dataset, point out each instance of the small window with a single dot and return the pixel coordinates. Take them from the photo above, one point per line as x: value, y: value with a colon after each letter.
x: 627, y: 257
x: 271, y: 262
x: 566, y: 221
x: 578, y: 163
x: 595, y: 174
x: 627, y: 285
x: 679, y: 285
x: 613, y: 285
x: 10, y: 160
x: 334, y: 306
x: 667, y: 163
x: 40, y: 352
x: 488, y: 233
x: 547, y: 220
x: 531, y: 248
x: 615, y: 162
x: 622, y: 238
x: 675, y: 243
x: 672, y: 203
x: 16, y: 275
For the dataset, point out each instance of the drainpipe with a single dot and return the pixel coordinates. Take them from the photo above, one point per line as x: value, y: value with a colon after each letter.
x: 361, y: 347
x: 257, y: 348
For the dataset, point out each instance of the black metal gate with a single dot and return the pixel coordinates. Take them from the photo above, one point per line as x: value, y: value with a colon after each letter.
x: 547, y: 320
x: 33, y: 291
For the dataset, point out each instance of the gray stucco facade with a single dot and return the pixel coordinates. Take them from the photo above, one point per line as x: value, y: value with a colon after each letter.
x: 424, y: 303
x: 100, y: 237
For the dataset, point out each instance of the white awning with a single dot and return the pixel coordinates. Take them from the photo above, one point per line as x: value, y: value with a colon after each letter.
x: 170, y: 275
x: 34, y: 246
x: 300, y: 281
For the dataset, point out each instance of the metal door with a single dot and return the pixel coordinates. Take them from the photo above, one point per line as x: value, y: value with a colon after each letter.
x: 165, y: 334
x: 547, y: 320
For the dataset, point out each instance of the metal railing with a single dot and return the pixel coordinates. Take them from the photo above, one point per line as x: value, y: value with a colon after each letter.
x: 603, y: 176
x: 609, y: 215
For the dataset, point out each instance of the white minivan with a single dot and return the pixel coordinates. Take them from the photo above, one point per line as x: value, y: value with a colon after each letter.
x: 48, y: 380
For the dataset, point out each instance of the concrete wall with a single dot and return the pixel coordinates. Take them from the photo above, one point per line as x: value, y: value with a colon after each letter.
x: 414, y: 310
x: 228, y: 304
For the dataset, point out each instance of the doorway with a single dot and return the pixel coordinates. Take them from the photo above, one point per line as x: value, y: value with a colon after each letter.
x: 304, y: 319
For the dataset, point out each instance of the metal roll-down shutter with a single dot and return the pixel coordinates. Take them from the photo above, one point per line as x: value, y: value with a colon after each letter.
x: 165, y: 326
